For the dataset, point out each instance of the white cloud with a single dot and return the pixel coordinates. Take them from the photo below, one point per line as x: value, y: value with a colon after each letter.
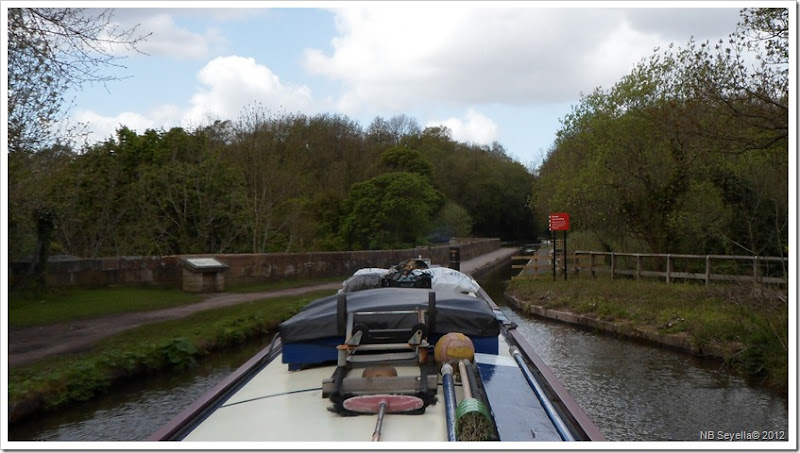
x: 475, y: 127
x: 232, y: 83
x: 395, y: 57
x: 228, y: 86
x: 167, y: 38
x: 623, y: 48
x: 102, y: 127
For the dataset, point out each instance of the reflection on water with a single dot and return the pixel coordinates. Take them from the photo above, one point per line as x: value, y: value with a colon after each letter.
x: 633, y: 392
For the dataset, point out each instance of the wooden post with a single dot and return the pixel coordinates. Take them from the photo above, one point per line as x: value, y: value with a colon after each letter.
x: 755, y: 268
x: 591, y: 263
x: 565, y: 255
x: 612, y: 265
x: 553, y: 235
x: 638, y: 266
x: 708, y: 269
x: 669, y: 268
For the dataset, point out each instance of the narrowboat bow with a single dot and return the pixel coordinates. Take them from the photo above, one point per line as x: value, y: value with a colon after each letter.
x: 413, y: 353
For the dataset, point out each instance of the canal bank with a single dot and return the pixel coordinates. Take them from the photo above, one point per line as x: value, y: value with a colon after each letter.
x: 680, y: 341
x: 744, y: 325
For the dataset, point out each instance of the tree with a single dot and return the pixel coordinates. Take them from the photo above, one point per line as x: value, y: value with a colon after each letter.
x: 392, y: 210
x: 51, y: 50
x: 192, y: 206
x: 400, y: 158
x: 739, y: 113
x: 264, y: 183
x: 33, y: 212
x: 484, y: 180
x: 391, y: 132
x: 451, y: 221
x: 687, y: 153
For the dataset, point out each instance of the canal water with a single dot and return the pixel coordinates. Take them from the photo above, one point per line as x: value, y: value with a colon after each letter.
x: 634, y: 392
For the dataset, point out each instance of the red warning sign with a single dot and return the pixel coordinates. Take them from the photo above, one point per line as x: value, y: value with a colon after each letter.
x: 558, y: 221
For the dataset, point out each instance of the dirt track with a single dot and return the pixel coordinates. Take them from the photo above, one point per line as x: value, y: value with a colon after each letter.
x: 33, y: 343
x: 29, y: 344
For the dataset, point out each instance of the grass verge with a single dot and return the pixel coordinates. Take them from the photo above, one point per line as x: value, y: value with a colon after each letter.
x: 72, y: 304
x: 56, y: 382
x: 750, y: 323
x: 25, y: 310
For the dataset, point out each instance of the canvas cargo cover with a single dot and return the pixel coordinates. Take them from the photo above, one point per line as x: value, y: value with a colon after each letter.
x: 456, y: 312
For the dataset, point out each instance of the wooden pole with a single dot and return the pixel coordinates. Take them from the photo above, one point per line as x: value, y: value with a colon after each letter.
x: 553, y: 237
x: 565, y: 255
x: 612, y: 265
x: 638, y: 266
x: 755, y: 268
x: 669, y: 267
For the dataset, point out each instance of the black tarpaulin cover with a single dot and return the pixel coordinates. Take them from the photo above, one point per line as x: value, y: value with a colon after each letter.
x: 456, y: 312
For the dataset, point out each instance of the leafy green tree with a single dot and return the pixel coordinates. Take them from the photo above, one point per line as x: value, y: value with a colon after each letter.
x: 392, y: 210
x: 155, y: 193
x: 400, y: 158
x: 263, y: 183
x: 484, y: 180
x: 192, y: 206
x: 34, y: 181
x: 492, y: 187
x: 296, y: 169
x: 50, y: 50
x: 687, y: 153
x: 96, y: 202
x: 452, y: 220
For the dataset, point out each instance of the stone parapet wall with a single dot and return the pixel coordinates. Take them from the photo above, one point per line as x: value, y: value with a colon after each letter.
x: 123, y: 270
x: 167, y: 271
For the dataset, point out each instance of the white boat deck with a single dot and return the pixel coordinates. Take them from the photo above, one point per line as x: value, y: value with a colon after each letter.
x: 279, y: 405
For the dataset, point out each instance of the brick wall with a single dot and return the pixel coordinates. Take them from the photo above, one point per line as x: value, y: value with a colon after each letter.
x: 167, y: 271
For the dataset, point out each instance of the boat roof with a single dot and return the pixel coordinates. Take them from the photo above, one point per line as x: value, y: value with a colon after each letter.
x: 456, y: 312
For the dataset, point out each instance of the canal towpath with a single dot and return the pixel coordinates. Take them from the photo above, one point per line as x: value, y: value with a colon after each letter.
x: 29, y: 344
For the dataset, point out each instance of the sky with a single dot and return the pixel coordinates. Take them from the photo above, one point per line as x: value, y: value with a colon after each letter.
x: 505, y: 72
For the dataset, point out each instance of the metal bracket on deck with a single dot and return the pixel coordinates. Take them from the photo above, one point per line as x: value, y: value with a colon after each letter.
x: 370, y: 344
x: 366, y: 342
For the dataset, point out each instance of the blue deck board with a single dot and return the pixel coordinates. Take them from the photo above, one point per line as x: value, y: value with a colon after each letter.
x: 518, y: 414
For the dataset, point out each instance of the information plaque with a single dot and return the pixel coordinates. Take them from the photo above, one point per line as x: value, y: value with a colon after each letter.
x: 203, y: 264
